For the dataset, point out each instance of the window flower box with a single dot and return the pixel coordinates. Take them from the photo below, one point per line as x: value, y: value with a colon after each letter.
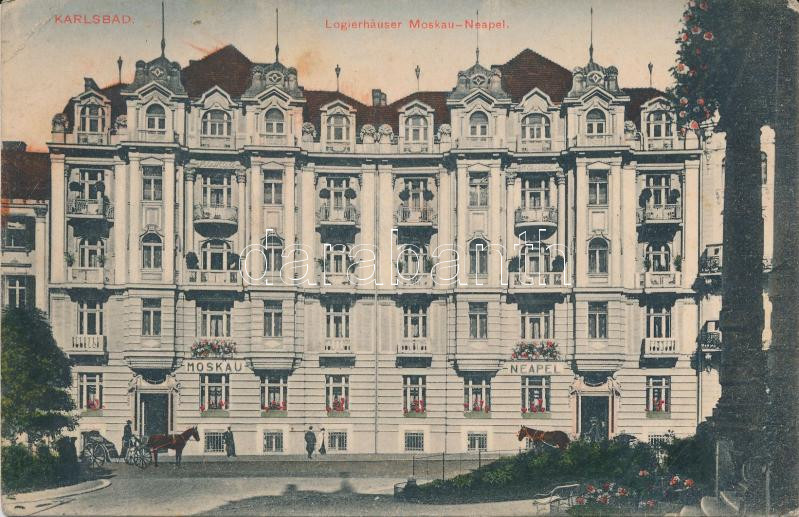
x: 477, y: 414
x: 213, y: 348
x: 658, y: 414
x: 274, y: 409
x: 215, y: 409
x: 536, y: 410
x: 337, y: 414
x: 417, y: 410
x: 545, y: 350
x: 214, y: 413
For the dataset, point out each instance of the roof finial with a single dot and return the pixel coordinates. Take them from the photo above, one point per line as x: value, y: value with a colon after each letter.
x: 650, y: 66
x: 338, y: 72
x: 418, y: 73
x: 591, y: 46
x: 163, y: 33
x: 119, y: 66
x: 477, y: 48
x: 277, y: 35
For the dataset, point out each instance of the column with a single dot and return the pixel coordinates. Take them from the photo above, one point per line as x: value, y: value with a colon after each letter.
x: 241, y: 190
x: 289, y: 222
x: 255, y: 261
x: 308, y: 207
x: 385, y: 217
x: 690, y: 223
x: 120, y: 237
x: 189, y: 176
x: 368, y: 201
x: 57, y: 218
x: 629, y: 205
x: 40, y: 267
x: 580, y: 234
x: 135, y: 218
x: 495, y: 261
x: 445, y: 221
x: 560, y: 181
x: 169, y: 220
x: 510, y: 214
x: 461, y: 210
x: 614, y: 221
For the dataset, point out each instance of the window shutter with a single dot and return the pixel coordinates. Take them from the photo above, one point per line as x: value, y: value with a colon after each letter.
x: 30, y: 292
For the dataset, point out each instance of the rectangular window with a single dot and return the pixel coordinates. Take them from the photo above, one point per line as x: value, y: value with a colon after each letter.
x: 598, y: 320
x: 152, y: 184
x: 273, y: 187
x: 659, y: 186
x: 273, y: 319
x: 536, y: 324
x: 338, y: 320
x: 90, y: 318
x: 658, y: 322
x: 273, y: 441
x: 214, y: 441
x: 476, y: 442
x: 477, y: 394
x: 478, y: 190
x: 18, y: 291
x: 214, y: 392
x: 274, y: 392
x: 597, y: 188
x: 151, y: 317
x: 414, y: 394
x: 478, y: 320
x: 90, y: 391
x: 414, y: 441
x: 337, y: 441
x: 214, y: 320
x: 658, y: 394
x: 535, y: 192
x: 535, y: 394
x: 18, y: 233
x: 337, y: 393
x: 414, y: 321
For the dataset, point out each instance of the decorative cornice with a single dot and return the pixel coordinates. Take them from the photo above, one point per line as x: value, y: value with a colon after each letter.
x: 41, y: 211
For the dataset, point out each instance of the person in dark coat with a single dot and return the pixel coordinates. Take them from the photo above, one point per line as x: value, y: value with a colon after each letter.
x: 230, y: 445
x: 127, y: 434
x: 322, y: 449
x: 310, y: 441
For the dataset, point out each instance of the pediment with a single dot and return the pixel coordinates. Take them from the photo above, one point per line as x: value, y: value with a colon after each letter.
x: 479, y: 96
x: 416, y: 106
x: 597, y: 93
x: 479, y: 168
x: 154, y: 88
x: 337, y: 105
x: 536, y: 99
x: 658, y: 103
x: 92, y: 97
x: 273, y: 93
x: 216, y: 97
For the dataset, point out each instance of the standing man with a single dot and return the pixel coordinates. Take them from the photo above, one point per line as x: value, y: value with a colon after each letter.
x: 127, y: 435
x: 310, y: 441
x: 230, y: 445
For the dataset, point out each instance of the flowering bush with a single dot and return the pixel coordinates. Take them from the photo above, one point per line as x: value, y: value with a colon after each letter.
x: 658, y: 406
x: 339, y: 404
x: 274, y: 406
x: 602, y: 500
x: 94, y: 404
x: 477, y: 406
x: 536, y: 406
x: 417, y: 406
x: 536, y: 350
x: 213, y: 348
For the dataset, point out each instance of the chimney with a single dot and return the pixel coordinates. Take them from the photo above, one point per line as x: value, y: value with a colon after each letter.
x: 379, y: 98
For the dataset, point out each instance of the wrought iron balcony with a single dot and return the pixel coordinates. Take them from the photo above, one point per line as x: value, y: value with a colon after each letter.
x: 415, y: 216
x: 543, y: 280
x: 659, y: 214
x: 710, y: 337
x: 413, y: 279
x: 710, y: 262
x: 90, y: 275
x: 90, y: 209
x: 337, y: 216
x: 537, y: 217
x: 216, y: 214
x: 657, y: 347
x: 660, y: 279
x: 84, y: 137
x: 87, y: 345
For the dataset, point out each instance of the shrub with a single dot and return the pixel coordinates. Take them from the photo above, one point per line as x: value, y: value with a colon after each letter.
x: 24, y: 470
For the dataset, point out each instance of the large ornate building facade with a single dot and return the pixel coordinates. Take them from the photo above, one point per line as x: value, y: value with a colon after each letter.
x: 584, y: 226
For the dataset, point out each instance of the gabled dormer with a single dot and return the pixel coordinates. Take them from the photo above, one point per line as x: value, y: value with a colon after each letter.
x: 215, y: 120
x: 536, y: 123
x: 479, y: 108
x: 274, y: 100
x: 160, y: 71
x: 92, y: 114
x: 658, y: 124
x: 416, y: 127
x: 338, y: 126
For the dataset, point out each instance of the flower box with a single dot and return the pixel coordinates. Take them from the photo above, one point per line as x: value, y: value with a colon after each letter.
x: 214, y: 413
x: 477, y: 414
x: 414, y: 414
x: 537, y: 415
x: 545, y: 350
x: 336, y: 414
x: 92, y: 413
x: 213, y: 348
x: 274, y: 413
x: 658, y: 414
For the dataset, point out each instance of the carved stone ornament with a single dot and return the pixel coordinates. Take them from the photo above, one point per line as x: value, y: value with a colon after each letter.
x: 386, y: 134
x: 368, y: 133
x: 444, y: 133
x: 308, y: 132
x: 121, y: 122
x: 59, y: 123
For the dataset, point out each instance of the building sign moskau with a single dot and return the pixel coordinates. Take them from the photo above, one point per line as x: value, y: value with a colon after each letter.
x: 213, y: 366
x: 533, y: 367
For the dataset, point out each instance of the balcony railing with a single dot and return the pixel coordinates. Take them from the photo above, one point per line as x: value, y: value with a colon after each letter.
x: 660, y: 144
x: 537, y: 280
x: 93, y: 138
x: 415, y: 147
x: 414, y: 347
x: 470, y: 142
x: 659, y: 214
x: 87, y: 345
x: 89, y: 275
x: 537, y: 215
x: 90, y: 208
x: 415, y: 215
x: 421, y: 280
x: 338, y: 147
x: 216, y: 214
x: 660, y: 279
x: 660, y: 347
x: 157, y: 135
x: 534, y: 146
x: 584, y: 140
x: 710, y: 340
x: 217, y: 142
x: 200, y: 277
x: 343, y: 215
x: 337, y: 346
x: 274, y: 139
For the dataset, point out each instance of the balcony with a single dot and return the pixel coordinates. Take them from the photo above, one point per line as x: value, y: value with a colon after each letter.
x: 476, y: 142
x: 414, y: 347
x: 337, y: 347
x: 347, y: 216
x: 710, y: 337
x: 545, y: 218
x: 417, y: 280
x: 90, y: 209
x: 157, y: 136
x: 211, y: 278
x: 659, y: 214
x: 659, y: 144
x: 209, y: 217
x: 415, y: 147
x: 543, y: 280
x: 660, y: 279
x: 87, y: 345
x: 415, y: 216
x: 660, y: 348
x: 274, y: 140
x: 217, y: 142
x: 534, y: 146
x: 93, y: 138
x: 90, y: 275
x: 584, y: 140
x: 710, y: 263
x: 338, y: 147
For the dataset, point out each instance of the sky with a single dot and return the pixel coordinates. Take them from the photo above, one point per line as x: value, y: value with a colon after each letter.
x: 44, y: 59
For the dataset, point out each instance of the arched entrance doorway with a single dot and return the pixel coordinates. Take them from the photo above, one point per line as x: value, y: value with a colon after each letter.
x: 594, y: 399
x: 154, y: 396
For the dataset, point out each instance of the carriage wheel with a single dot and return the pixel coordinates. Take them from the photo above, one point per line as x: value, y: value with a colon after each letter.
x: 145, y: 454
x: 94, y: 455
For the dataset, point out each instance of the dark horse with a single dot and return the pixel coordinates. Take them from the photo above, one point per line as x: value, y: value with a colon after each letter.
x: 557, y: 439
x: 171, y: 441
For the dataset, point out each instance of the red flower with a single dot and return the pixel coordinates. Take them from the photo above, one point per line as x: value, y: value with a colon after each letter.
x: 684, y: 36
x: 682, y: 68
x: 683, y: 114
x: 695, y: 29
x: 688, y: 483
x: 700, y: 101
x: 524, y: 409
x: 605, y: 486
x: 621, y: 492
x: 603, y: 499
x: 684, y: 101
x: 704, y: 6
x: 590, y: 488
x: 694, y: 125
x: 687, y: 16
x: 650, y: 503
x: 202, y: 407
x: 580, y: 500
x: 534, y: 409
x: 674, y: 480
x: 708, y: 36
x: 643, y: 473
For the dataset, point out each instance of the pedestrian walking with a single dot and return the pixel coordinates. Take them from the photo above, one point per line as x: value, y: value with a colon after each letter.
x: 310, y: 441
x: 230, y: 445
x: 322, y: 449
x: 127, y: 435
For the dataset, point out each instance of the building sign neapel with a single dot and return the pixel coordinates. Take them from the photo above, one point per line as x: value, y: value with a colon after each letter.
x: 213, y: 366
x: 533, y: 367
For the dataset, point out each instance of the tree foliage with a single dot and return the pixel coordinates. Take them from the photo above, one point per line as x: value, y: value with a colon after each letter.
x: 35, y: 377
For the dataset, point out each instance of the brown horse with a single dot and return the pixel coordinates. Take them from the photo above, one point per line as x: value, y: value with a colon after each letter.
x: 171, y: 441
x: 557, y: 439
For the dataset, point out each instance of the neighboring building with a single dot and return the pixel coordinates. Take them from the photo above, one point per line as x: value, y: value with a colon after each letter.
x: 160, y: 185
x: 23, y: 214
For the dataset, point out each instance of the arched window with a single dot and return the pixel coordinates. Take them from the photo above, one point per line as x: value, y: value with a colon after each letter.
x: 91, y: 252
x: 478, y: 124
x: 595, y: 122
x: 478, y: 257
x: 151, y: 249
x: 658, y: 124
x: 216, y: 123
x: 92, y: 119
x: 156, y: 117
x: 534, y: 259
x: 273, y: 249
x: 338, y: 128
x: 274, y: 122
x: 337, y: 258
x: 215, y: 255
x: 598, y: 256
x: 764, y: 167
x: 535, y: 127
x: 416, y: 129
x: 659, y: 256
x: 413, y: 260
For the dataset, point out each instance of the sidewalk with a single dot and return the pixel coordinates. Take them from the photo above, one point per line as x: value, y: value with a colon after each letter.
x: 57, y: 493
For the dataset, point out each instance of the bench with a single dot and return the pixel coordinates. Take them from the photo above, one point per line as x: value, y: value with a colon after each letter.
x: 558, y: 499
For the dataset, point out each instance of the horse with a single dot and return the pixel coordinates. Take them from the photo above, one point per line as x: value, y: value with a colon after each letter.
x: 171, y: 441
x: 557, y: 439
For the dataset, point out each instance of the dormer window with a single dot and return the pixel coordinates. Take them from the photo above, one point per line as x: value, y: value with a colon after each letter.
x: 658, y: 124
x: 216, y: 123
x: 274, y: 124
x: 338, y: 128
x: 156, y: 118
x: 92, y: 119
x: 416, y: 129
x: 595, y: 122
x: 535, y: 127
x: 478, y: 124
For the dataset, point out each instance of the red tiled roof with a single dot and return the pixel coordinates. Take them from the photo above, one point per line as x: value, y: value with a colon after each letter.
x: 638, y: 97
x: 227, y: 68
x: 529, y: 70
x: 25, y: 175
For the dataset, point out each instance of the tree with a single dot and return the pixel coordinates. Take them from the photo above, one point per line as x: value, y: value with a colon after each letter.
x: 35, y: 378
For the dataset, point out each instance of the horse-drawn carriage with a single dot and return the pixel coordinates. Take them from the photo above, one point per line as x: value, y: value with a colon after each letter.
x: 97, y: 450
